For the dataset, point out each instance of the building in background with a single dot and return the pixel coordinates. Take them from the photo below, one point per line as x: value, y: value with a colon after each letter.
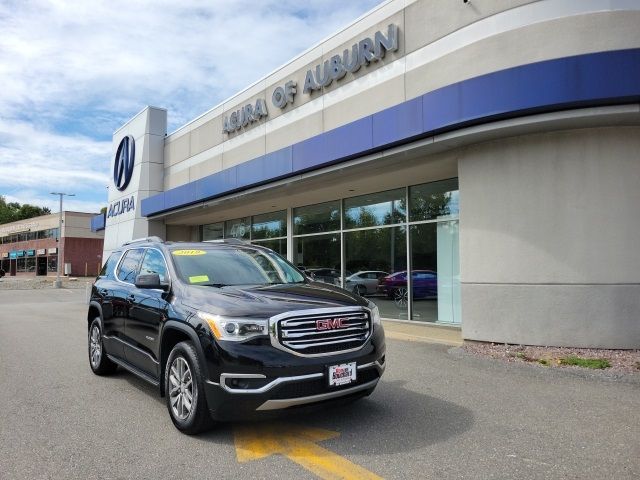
x: 30, y: 247
x: 470, y: 164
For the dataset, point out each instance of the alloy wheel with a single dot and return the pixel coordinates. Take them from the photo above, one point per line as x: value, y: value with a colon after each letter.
x: 401, y: 297
x: 95, y: 347
x: 181, y: 389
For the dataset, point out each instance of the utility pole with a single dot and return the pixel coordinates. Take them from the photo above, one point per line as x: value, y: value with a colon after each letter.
x: 58, y: 282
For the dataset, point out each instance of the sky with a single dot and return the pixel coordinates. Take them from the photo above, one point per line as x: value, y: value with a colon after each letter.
x: 72, y: 72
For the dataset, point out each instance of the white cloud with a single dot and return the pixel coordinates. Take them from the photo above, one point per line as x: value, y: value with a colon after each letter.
x: 122, y: 55
x: 36, y: 159
x: 71, y: 72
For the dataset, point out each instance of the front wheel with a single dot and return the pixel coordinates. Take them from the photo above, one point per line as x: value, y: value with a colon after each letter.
x: 98, y: 360
x: 184, y: 390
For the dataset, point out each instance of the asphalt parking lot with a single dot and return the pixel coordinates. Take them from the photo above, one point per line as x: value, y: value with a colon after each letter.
x: 436, y: 414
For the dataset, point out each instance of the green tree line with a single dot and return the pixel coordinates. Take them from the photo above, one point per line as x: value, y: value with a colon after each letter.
x: 13, y: 211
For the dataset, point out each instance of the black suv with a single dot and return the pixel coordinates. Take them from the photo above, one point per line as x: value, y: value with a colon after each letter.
x: 228, y: 329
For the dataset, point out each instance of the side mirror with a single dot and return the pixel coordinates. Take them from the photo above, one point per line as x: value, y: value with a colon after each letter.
x: 150, y: 281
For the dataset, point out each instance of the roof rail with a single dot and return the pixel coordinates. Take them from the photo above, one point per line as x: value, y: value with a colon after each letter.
x: 236, y: 241
x: 147, y: 239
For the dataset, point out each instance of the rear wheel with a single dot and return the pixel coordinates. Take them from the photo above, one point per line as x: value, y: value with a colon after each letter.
x: 184, y: 390
x: 98, y: 360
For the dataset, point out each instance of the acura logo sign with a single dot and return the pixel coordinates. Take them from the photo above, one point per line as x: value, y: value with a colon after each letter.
x: 123, y: 165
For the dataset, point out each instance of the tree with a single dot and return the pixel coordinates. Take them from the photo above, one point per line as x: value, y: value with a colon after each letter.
x: 13, y: 211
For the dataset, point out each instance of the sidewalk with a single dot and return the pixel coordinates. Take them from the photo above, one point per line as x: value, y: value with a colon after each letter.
x: 36, y: 283
x: 423, y: 332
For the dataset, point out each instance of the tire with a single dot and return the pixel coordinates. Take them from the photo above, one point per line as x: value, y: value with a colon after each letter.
x: 183, y: 379
x: 98, y: 360
x: 360, y: 290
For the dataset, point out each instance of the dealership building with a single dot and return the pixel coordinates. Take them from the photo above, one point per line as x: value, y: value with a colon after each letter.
x: 478, y: 162
x: 31, y: 247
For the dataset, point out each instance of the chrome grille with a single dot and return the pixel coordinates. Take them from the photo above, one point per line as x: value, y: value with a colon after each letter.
x: 339, y: 331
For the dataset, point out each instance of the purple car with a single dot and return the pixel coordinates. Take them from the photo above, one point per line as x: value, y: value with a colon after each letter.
x: 425, y: 285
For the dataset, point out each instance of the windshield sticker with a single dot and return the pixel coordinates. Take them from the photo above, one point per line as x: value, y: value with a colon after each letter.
x: 188, y: 253
x: 198, y: 279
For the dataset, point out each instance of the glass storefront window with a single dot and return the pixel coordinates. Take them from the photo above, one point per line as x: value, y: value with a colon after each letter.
x: 322, y: 217
x: 374, y: 228
x: 435, y: 200
x: 52, y: 263
x: 376, y: 263
x: 435, y: 272
x: 21, y: 265
x: 319, y: 255
x: 26, y: 236
x: 269, y: 225
x: 238, y: 228
x: 213, y: 231
x: 384, y: 208
x: 31, y: 265
x: 279, y: 245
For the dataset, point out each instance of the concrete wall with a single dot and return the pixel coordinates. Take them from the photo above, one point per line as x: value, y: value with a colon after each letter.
x: 78, y: 225
x: 548, y: 239
x: 182, y: 233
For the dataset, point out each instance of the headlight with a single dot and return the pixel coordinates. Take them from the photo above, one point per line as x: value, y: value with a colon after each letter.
x: 234, y: 329
x: 375, y: 313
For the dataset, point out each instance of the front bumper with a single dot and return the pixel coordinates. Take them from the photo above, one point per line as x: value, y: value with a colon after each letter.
x: 266, y: 379
x: 363, y: 386
x: 227, y: 403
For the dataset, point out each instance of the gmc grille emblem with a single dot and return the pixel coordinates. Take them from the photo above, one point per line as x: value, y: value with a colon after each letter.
x: 331, y: 324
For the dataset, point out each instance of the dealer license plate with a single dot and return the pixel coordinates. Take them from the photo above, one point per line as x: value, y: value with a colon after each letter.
x: 342, y: 374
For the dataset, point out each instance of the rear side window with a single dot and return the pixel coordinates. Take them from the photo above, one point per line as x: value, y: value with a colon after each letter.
x: 110, y: 264
x: 129, y: 266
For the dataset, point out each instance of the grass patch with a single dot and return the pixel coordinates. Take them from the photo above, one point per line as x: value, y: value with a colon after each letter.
x: 544, y: 361
x: 595, y: 363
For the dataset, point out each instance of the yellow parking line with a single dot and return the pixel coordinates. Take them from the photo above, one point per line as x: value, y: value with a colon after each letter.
x: 298, y: 444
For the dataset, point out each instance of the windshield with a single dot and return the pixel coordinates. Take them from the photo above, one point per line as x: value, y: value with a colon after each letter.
x: 233, y: 266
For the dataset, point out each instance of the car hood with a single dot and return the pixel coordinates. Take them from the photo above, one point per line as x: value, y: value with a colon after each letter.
x: 266, y: 301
